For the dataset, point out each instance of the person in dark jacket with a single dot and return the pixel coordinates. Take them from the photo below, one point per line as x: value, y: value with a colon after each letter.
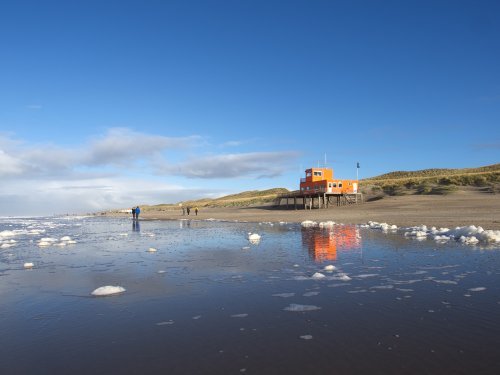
x: 137, y: 212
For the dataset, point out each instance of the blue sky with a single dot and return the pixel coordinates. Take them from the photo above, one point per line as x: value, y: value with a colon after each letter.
x: 116, y: 103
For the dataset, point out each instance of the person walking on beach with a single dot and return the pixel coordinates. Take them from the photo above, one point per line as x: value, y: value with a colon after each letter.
x: 196, y: 211
x: 133, y: 213
x: 137, y: 212
x: 188, y: 210
x: 183, y: 211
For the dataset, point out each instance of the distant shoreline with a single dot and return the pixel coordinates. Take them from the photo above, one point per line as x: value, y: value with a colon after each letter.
x: 459, y: 209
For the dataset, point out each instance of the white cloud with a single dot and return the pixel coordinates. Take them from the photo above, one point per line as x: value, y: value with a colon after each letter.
x: 9, y: 165
x: 120, y: 146
x: 256, y: 164
x: 117, y: 170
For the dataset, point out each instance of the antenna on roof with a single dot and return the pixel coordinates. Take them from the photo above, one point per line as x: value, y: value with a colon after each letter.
x: 325, y: 159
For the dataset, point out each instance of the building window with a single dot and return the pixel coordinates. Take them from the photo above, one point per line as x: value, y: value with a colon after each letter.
x: 308, y: 174
x: 317, y: 173
x: 340, y: 184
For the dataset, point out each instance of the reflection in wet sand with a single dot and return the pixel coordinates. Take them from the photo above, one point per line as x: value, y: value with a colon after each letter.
x: 323, y: 243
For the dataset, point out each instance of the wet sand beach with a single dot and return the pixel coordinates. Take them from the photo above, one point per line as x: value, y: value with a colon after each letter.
x: 466, y: 207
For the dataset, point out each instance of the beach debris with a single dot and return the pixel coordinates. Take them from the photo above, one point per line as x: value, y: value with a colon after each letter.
x: 108, y: 290
x: 301, y: 308
x: 29, y: 265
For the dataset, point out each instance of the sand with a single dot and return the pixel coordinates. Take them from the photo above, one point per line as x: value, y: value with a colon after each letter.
x: 467, y: 207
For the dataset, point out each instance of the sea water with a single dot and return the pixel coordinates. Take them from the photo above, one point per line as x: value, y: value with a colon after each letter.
x: 209, y: 300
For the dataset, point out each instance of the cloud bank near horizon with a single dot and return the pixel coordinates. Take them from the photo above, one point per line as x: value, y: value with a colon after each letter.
x: 119, y: 168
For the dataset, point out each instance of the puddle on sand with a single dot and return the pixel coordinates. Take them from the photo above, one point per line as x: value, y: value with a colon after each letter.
x: 201, y: 304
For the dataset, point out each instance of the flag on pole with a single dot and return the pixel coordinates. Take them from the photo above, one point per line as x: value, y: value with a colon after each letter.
x: 357, y: 165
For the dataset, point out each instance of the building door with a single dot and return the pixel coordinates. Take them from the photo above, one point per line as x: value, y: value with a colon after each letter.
x: 329, y: 187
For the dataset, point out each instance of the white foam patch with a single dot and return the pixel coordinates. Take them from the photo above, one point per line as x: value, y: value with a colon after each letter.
x: 29, y: 265
x: 382, y: 226
x: 196, y: 317
x: 318, y: 276
x: 152, y: 250
x: 300, y: 308
x: 310, y: 294
x: 108, y: 290
x: 445, y: 281
x: 468, y: 235
x: 329, y: 268
x: 66, y: 238
x: 382, y: 287
x: 165, y: 323
x: 254, y: 238
x: 326, y: 224
x: 239, y: 315
x: 284, y: 295
x: 337, y: 285
x: 306, y: 337
x: 478, y: 289
x: 342, y: 277
x: 367, y: 275
x: 301, y: 278
x: 309, y: 223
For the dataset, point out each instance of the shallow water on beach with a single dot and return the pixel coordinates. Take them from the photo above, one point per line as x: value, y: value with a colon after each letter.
x: 208, y: 301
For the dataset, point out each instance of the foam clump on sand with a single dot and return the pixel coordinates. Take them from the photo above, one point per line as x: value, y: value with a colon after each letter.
x: 318, y: 276
x: 254, y: 238
x: 301, y: 308
x: 152, y: 250
x: 108, y: 290
x: 329, y: 267
x: 327, y: 224
x: 308, y: 223
x: 47, y: 241
x: 382, y: 226
x: 469, y: 235
x: 29, y: 265
x: 8, y: 243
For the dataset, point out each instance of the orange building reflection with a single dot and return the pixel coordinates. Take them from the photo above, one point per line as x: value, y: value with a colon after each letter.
x: 324, y: 243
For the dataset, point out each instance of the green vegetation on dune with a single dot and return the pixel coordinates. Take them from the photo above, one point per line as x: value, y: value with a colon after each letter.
x: 432, y: 181
x: 462, y: 177
x: 246, y: 198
